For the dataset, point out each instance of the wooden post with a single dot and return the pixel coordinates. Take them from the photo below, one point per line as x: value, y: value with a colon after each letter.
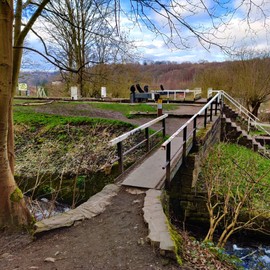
x: 120, y: 156
x: 159, y: 107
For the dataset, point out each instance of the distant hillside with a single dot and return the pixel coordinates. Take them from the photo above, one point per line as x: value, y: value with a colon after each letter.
x: 35, y: 78
x: 119, y: 77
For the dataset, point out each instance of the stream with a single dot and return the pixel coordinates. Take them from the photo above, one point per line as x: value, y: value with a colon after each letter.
x: 44, y: 208
x: 253, y: 257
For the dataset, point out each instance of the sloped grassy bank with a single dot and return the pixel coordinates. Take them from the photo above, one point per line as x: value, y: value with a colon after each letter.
x: 65, y: 157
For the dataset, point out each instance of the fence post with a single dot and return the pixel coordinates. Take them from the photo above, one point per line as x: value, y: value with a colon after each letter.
x: 211, y: 113
x: 221, y: 103
x: 184, y: 154
x: 205, y: 117
x: 159, y: 107
x: 216, y: 105
x: 163, y: 127
x: 194, y: 130
x: 168, y: 166
x: 147, y: 139
x: 120, y: 156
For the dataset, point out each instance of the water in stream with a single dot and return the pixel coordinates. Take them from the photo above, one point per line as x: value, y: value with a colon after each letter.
x: 253, y: 257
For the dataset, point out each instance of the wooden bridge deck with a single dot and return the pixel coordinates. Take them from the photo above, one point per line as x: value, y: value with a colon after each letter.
x: 150, y: 174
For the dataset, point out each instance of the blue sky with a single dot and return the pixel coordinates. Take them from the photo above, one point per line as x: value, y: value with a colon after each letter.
x: 237, y: 33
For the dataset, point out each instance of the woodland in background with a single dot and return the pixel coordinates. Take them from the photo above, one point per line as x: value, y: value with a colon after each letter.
x: 119, y: 77
x: 246, y: 78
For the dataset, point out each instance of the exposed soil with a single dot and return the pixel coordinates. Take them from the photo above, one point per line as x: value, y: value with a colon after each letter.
x: 116, y: 239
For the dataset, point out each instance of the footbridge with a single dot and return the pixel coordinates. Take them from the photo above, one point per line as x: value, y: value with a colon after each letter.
x: 160, y: 166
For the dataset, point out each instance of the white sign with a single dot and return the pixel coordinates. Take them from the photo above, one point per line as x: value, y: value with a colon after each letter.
x: 103, y: 92
x: 22, y: 87
x: 74, y: 92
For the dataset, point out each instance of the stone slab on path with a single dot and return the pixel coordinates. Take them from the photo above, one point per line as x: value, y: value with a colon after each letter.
x: 157, y: 222
x: 91, y: 208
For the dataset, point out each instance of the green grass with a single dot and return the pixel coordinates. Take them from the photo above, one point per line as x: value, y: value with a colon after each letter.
x: 126, y: 109
x: 235, y: 167
x: 74, y: 107
x: 40, y: 119
x: 245, y: 158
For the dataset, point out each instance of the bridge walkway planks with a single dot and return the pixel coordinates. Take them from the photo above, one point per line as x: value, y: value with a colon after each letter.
x: 150, y: 174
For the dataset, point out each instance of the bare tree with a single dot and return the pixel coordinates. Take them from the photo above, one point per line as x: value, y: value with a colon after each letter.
x: 84, y: 36
x: 246, y: 78
x: 234, y: 191
x: 252, y: 83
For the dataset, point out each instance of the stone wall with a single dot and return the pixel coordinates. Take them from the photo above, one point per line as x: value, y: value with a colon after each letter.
x: 186, y: 203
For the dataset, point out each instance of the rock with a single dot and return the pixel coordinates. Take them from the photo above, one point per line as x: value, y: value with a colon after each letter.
x: 136, y: 201
x: 141, y: 241
x: 135, y: 191
x: 49, y: 259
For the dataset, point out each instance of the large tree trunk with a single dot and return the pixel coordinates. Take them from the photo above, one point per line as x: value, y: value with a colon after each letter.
x: 13, y: 211
x: 255, y: 108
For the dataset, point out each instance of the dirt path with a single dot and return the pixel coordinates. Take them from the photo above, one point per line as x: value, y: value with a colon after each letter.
x: 116, y: 239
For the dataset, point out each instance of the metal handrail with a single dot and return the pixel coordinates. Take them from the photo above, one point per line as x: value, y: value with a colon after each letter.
x: 240, y: 107
x: 177, y: 132
x: 196, y: 92
x: 118, y: 141
x: 140, y: 128
x: 184, y: 145
x: 252, y: 119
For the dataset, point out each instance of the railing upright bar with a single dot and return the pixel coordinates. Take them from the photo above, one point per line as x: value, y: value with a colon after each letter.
x: 194, y: 130
x: 184, y: 144
x: 120, y: 157
x: 168, y: 165
x: 216, y: 106
x: 164, y: 127
x: 205, y: 118
x: 147, y: 139
x: 211, y: 112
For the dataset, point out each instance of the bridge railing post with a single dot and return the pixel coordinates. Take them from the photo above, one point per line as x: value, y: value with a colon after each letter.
x: 194, y: 130
x: 216, y: 105
x: 205, y: 118
x: 147, y: 139
x: 184, y: 154
x: 120, y: 157
x: 168, y: 166
x: 211, y: 112
x: 163, y: 128
x: 221, y: 104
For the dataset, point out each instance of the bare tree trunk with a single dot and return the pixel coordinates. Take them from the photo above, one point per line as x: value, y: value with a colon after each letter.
x: 13, y: 211
x: 255, y: 108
